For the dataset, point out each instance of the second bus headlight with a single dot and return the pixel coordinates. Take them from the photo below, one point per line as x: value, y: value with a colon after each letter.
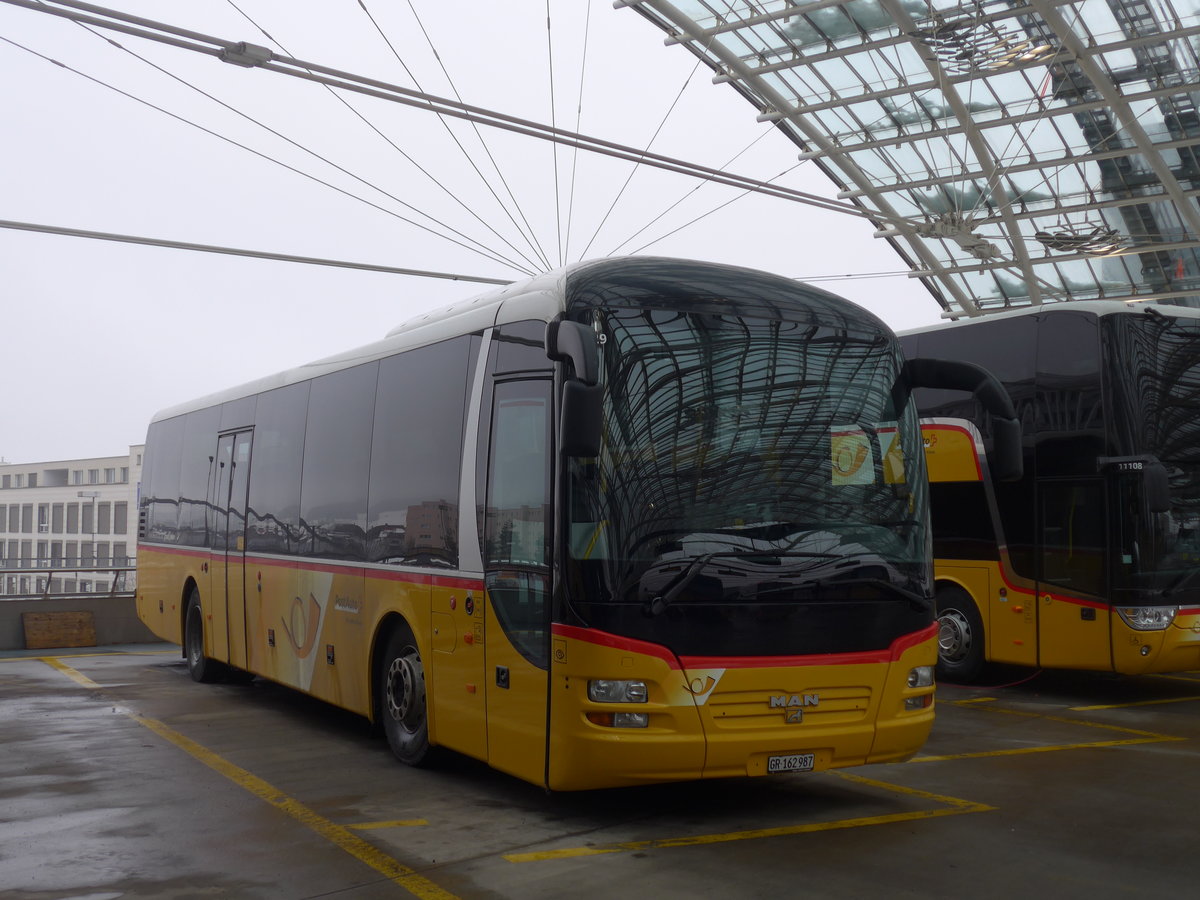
x: 611, y: 691
x: 921, y: 676
x: 1148, y: 618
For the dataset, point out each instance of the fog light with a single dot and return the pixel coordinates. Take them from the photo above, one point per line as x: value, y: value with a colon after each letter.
x: 1145, y: 649
x: 923, y: 702
x: 611, y: 691
x: 1148, y: 618
x: 921, y: 676
x: 619, y: 720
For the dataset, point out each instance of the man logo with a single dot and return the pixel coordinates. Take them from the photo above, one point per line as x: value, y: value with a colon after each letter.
x: 794, y: 704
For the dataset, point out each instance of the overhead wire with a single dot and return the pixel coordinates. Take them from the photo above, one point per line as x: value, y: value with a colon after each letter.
x: 553, y: 122
x: 527, y: 233
x: 249, y: 56
x: 688, y: 194
x: 587, y: 29
x: 248, y: 149
x: 528, y: 265
x: 237, y: 251
x: 492, y: 254
x: 633, y: 170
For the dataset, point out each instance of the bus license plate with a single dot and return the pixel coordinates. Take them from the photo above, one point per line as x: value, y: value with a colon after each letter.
x: 796, y: 762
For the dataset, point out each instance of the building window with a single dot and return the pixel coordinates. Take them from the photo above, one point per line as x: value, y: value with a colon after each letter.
x: 93, y: 476
x: 18, y: 481
x: 33, y: 479
x: 124, y: 474
x: 110, y: 476
x: 5, y: 482
x: 43, y: 518
x: 77, y: 476
x: 120, y: 517
x: 103, y: 518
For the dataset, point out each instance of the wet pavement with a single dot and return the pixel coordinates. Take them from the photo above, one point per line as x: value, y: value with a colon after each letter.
x: 121, y: 778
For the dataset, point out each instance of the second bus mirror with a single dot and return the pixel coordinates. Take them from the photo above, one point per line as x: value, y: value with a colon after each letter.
x: 1157, y: 487
x: 581, y: 424
x: 576, y: 343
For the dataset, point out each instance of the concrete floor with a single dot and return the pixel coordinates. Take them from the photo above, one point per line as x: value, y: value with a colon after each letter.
x: 120, y: 778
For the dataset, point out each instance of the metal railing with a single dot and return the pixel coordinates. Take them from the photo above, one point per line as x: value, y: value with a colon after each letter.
x: 51, y: 578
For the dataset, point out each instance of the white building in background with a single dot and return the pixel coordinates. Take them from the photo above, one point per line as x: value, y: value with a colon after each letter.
x: 62, y: 523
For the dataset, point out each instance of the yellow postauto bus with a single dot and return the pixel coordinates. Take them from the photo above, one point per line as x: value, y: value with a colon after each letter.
x: 1091, y: 560
x: 632, y: 521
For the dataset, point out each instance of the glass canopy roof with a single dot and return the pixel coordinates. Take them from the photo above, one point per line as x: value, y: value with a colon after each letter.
x: 1014, y: 153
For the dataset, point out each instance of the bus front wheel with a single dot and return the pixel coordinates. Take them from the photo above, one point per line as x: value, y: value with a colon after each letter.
x: 960, y: 636
x: 402, y: 699
x: 202, y: 668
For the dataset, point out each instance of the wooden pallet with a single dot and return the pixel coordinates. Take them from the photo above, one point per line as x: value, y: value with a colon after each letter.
x: 58, y: 629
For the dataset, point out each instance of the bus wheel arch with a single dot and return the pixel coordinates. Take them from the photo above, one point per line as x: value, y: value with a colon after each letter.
x: 961, y: 639
x: 400, y: 706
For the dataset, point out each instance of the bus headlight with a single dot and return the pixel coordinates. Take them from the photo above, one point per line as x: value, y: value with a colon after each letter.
x: 1148, y: 618
x: 609, y: 691
x: 921, y: 676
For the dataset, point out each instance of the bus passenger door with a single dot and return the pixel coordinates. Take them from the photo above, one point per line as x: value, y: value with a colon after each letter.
x: 227, y: 542
x: 1073, y: 614
x: 516, y: 551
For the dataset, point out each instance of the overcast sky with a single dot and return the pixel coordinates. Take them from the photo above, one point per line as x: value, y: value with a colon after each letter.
x: 96, y: 336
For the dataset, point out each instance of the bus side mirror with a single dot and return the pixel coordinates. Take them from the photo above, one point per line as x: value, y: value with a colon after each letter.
x: 574, y: 342
x: 580, y: 425
x: 1157, y: 487
x: 1007, y: 460
x: 581, y: 420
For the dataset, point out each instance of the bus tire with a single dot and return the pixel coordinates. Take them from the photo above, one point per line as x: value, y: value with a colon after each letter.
x: 960, y: 636
x: 402, y: 704
x: 203, y: 669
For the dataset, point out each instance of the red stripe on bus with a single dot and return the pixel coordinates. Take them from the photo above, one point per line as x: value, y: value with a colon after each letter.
x: 604, y: 639
x: 424, y: 578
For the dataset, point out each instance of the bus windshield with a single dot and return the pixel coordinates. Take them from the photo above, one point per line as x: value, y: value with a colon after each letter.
x: 1155, y: 372
x: 750, y: 466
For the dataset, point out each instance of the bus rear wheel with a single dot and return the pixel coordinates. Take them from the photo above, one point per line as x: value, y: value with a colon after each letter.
x: 402, y: 699
x: 960, y: 636
x: 202, y: 668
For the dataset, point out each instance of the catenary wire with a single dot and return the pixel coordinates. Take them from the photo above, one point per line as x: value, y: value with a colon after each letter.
x: 527, y: 235
x: 237, y: 251
x: 257, y: 153
x: 528, y: 265
x: 239, y: 53
x: 492, y: 253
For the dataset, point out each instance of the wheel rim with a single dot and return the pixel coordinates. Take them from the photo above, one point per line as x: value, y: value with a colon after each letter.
x: 954, y: 635
x: 195, y: 638
x: 405, y: 695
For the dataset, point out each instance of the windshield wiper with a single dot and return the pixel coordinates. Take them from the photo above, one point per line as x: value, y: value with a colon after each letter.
x: 654, y: 606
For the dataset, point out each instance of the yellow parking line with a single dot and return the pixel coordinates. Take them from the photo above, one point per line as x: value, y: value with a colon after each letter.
x: 1136, y: 703
x: 339, y: 835
x: 1139, y: 737
x: 74, y: 674
x: 954, y: 806
x: 397, y: 823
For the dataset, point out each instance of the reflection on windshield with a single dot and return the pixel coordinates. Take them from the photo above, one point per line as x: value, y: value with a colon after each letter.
x: 745, y: 455
x: 1155, y: 376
